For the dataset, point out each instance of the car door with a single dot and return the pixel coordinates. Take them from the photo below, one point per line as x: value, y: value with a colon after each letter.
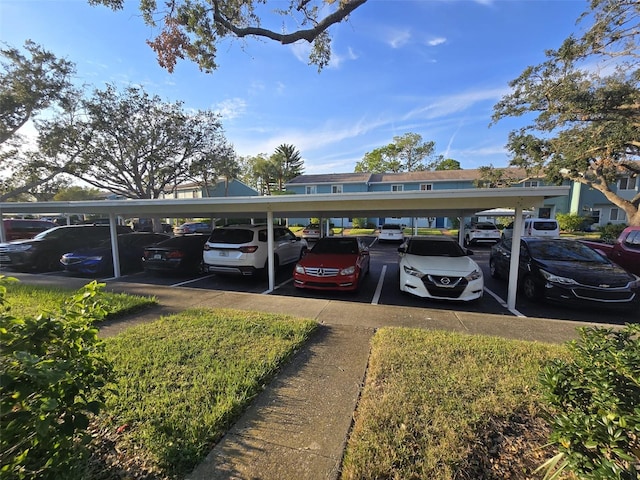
x: 282, y: 245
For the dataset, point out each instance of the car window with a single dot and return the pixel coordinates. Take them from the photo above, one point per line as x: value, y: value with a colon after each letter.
x: 633, y: 239
x: 346, y: 246
x: 545, y: 225
x: 485, y: 226
x: 565, y: 251
x: 389, y: 226
x: 234, y: 236
x: 435, y: 248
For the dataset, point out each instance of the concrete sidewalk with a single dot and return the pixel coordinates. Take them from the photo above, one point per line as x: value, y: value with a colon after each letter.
x: 297, y: 427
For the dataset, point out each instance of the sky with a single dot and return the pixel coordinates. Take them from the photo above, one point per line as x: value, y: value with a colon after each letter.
x: 431, y: 67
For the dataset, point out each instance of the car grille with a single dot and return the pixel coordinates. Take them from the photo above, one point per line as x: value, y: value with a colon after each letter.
x: 324, y: 284
x: 444, y: 286
x: 321, y: 272
x: 604, y: 295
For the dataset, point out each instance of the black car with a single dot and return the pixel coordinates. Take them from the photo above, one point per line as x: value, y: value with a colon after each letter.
x: 180, y: 254
x: 43, y: 252
x: 99, y: 260
x: 567, y: 271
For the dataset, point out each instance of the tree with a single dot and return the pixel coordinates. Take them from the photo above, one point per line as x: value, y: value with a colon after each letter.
x: 258, y: 173
x: 448, y: 164
x: 491, y: 177
x: 586, y: 99
x: 133, y: 144
x: 407, y: 153
x: 194, y: 28
x: 287, y: 164
x: 75, y: 192
x: 31, y: 82
x: 219, y: 163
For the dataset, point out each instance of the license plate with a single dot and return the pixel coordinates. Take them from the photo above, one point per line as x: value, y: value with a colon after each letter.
x: 157, y: 256
x: 223, y: 253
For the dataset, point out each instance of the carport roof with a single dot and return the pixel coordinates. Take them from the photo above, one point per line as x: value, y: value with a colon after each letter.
x: 457, y: 202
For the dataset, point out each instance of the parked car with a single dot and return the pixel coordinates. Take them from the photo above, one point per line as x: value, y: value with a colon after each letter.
x: 18, y: 228
x: 192, y: 227
x: 535, y: 227
x: 391, y: 232
x: 242, y: 249
x: 99, y: 260
x: 334, y: 263
x: 481, y: 232
x: 313, y: 231
x: 43, y: 252
x: 625, y: 250
x: 568, y: 272
x: 438, y: 267
x: 182, y: 254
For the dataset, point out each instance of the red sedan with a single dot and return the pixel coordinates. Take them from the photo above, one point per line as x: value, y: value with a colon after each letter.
x: 334, y: 263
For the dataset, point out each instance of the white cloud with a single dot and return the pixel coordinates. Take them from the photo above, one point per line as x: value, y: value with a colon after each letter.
x: 434, y: 42
x: 398, y: 38
x: 231, y: 108
x: 449, y: 104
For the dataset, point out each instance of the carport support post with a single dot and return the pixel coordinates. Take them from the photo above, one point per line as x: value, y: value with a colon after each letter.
x: 515, y: 258
x: 113, y: 230
x: 3, y: 234
x: 270, y: 256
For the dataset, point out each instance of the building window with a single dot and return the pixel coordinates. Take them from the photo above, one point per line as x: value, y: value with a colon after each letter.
x: 614, y: 214
x: 336, y: 188
x: 595, y: 216
x: 532, y: 183
x: 310, y: 189
x: 397, y: 188
x: 426, y: 186
x: 627, y: 183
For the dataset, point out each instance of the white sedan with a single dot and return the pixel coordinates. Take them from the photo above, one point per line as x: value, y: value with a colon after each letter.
x: 438, y: 267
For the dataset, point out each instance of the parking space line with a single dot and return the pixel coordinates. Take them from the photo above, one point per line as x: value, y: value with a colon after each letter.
x: 504, y: 304
x: 192, y: 280
x: 376, y: 296
x: 266, y: 292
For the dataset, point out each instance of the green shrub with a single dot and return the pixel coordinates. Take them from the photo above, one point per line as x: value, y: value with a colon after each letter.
x: 610, y: 232
x: 596, y: 404
x: 52, y: 373
x: 572, y: 222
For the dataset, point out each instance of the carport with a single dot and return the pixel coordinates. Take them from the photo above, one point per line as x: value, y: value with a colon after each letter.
x: 459, y: 203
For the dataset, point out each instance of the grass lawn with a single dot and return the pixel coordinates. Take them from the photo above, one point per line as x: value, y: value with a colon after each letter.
x: 31, y: 300
x: 428, y: 395
x: 184, y: 379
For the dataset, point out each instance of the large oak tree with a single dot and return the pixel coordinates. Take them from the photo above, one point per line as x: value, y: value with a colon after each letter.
x: 137, y: 145
x: 585, y: 99
x: 194, y: 28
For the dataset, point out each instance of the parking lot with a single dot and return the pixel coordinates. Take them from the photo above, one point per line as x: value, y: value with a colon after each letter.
x: 381, y: 287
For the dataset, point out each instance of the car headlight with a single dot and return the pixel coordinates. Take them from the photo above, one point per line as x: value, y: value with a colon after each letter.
x: 550, y: 277
x: 299, y: 268
x: 348, y: 271
x: 635, y: 283
x: 23, y: 247
x: 476, y: 274
x: 412, y: 271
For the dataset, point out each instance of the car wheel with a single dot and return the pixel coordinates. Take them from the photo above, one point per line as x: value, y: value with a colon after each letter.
x: 45, y: 263
x: 530, y: 288
x: 493, y: 270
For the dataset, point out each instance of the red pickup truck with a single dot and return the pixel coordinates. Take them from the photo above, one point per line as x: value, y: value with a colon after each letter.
x: 625, y: 251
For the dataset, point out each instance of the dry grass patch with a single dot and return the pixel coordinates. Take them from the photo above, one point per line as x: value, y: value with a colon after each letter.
x: 430, y: 398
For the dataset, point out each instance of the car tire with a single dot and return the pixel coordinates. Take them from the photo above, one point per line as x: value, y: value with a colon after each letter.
x: 530, y: 289
x: 45, y: 263
x: 493, y: 270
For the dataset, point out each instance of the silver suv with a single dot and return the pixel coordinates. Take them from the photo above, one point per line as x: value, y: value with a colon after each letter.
x: 242, y: 249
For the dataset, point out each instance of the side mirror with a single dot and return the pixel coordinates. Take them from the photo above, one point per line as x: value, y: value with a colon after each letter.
x: 402, y: 249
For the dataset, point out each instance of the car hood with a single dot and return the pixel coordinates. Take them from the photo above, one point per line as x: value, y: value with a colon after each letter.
x: 587, y: 273
x: 328, y: 260
x: 441, y: 265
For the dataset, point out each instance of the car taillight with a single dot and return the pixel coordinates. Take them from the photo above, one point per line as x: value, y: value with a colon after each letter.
x: 175, y: 254
x: 249, y: 249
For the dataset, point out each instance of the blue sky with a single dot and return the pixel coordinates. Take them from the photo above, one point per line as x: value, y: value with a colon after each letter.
x: 432, y: 67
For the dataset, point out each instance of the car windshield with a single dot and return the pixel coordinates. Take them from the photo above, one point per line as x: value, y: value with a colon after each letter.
x: 234, y: 236
x: 565, y: 251
x: 344, y: 246
x: 434, y: 248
